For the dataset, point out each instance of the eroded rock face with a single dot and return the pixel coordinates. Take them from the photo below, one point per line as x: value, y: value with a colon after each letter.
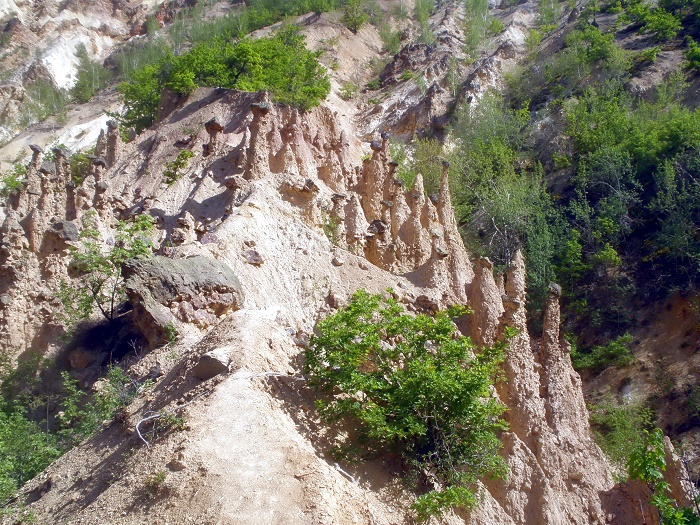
x: 166, y: 291
x: 277, y: 189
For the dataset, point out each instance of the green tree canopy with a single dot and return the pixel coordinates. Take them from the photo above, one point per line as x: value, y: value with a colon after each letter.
x: 281, y: 64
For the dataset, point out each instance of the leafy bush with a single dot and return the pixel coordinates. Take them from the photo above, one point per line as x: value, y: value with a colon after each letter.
x: 533, y: 40
x: 412, y: 386
x: 91, y: 76
x: 79, y: 166
x: 348, y: 90
x: 502, y: 205
x: 647, y: 463
x: 43, y: 100
x: 496, y: 27
x: 155, y: 483
x: 692, y: 54
x: 475, y: 26
x: 662, y: 24
x: 29, y: 444
x: 422, y: 10
x: 618, y: 431
x: 12, y: 181
x: 407, y: 75
x: 390, y: 39
x: 549, y: 11
x: 280, y: 64
x: 615, y: 353
x: 25, y: 450
x: 650, y: 54
x: 80, y: 417
x: 139, y: 55
x: 426, y: 158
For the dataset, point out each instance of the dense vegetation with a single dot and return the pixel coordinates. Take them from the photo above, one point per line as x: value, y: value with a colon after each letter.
x: 623, y: 227
x: 38, y: 425
x: 280, y: 64
x: 409, y: 385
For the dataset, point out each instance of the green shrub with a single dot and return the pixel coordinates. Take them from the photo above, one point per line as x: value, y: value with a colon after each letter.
x: 410, y: 385
x: 140, y: 54
x: 618, y: 431
x: 154, y: 483
x: 650, y: 54
x: 426, y: 159
x: 174, y: 169
x: 692, y: 54
x: 171, y: 332
x: 98, y: 282
x: 662, y: 24
x: 28, y: 446
x: 561, y: 161
x: 348, y: 90
x: 390, y: 39
x: 647, y: 463
x: 615, y: 353
x: 43, y: 100
x: 374, y: 84
x: 354, y: 15
x: 407, y: 75
x: 496, y: 27
x: 12, y: 180
x: 25, y: 449
x: 79, y: 166
x: 549, y: 11
x: 280, y: 64
x: 533, y: 40
x: 475, y: 26
x: 422, y: 10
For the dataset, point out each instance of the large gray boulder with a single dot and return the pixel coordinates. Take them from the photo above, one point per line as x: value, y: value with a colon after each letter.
x: 165, y: 292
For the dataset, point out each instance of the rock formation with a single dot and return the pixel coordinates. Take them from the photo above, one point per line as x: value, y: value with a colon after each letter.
x: 248, y: 263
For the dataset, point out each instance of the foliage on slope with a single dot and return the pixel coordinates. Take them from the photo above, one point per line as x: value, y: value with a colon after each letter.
x: 280, y: 64
x: 410, y: 385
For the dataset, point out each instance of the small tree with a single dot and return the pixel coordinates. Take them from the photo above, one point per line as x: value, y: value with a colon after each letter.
x: 413, y: 386
x: 354, y: 15
x: 648, y: 463
x: 91, y: 76
x: 98, y: 271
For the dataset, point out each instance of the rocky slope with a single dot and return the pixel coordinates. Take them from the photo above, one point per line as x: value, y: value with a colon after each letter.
x: 252, y: 451
x: 275, y: 221
x: 39, y: 40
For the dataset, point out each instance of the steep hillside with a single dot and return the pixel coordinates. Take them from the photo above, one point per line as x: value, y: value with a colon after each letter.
x: 232, y: 224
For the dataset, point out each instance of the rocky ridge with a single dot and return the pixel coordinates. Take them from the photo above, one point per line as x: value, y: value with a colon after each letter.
x: 269, y: 180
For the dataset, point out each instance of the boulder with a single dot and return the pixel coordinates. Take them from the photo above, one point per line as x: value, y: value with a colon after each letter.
x: 208, y: 287
x: 212, y: 364
x: 65, y: 230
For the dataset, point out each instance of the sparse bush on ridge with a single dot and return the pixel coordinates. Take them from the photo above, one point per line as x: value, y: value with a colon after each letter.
x: 174, y: 170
